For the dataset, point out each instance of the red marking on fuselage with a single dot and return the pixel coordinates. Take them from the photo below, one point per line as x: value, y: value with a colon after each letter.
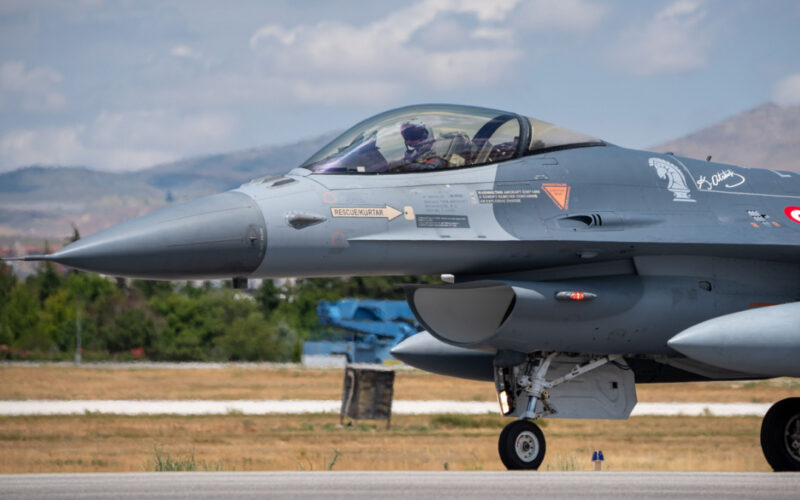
x: 793, y: 213
x: 337, y: 239
x: 754, y: 305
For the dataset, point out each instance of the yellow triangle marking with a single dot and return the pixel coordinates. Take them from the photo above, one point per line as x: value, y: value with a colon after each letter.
x: 559, y: 193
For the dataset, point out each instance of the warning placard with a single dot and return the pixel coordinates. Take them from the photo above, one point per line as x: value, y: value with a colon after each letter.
x: 443, y: 221
x: 559, y: 193
x: 510, y: 195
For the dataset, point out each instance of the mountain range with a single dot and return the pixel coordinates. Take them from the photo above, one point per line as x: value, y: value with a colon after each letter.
x: 41, y: 202
x: 767, y: 136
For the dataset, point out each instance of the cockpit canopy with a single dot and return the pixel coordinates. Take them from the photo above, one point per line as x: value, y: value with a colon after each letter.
x: 437, y: 137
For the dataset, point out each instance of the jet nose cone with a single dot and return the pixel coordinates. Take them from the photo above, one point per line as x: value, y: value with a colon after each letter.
x: 218, y: 236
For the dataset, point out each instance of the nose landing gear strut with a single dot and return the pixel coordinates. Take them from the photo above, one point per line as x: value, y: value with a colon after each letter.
x: 519, y: 377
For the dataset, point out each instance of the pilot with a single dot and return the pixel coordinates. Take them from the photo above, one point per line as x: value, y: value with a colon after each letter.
x: 419, y: 153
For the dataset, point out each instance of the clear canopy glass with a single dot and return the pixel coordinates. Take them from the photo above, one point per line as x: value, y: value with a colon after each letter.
x: 436, y: 137
x: 547, y: 137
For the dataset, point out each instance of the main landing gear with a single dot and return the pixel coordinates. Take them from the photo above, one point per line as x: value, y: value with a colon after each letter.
x: 780, y: 435
x: 520, y: 380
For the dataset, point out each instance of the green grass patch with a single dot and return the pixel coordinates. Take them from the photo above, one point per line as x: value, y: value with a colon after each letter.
x: 565, y: 463
x: 165, y: 462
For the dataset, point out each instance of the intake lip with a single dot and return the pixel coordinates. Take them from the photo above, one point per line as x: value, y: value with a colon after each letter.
x: 218, y: 236
x: 465, y: 314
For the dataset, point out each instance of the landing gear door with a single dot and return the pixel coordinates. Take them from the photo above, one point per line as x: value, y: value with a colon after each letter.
x: 607, y: 392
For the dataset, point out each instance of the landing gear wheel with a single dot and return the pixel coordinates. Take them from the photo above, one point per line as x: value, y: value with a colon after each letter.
x: 521, y: 446
x: 780, y: 435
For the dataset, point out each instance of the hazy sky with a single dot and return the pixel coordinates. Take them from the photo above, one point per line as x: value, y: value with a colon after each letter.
x: 125, y: 85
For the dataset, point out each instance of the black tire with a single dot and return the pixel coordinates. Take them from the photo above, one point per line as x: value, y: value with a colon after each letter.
x: 780, y: 435
x: 521, y: 446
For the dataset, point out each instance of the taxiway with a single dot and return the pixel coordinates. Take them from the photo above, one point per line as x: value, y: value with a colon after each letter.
x: 402, y: 485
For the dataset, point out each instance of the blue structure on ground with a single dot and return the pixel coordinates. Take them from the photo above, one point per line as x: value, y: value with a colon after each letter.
x: 363, y: 330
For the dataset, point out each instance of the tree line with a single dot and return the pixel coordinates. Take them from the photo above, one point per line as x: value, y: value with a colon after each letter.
x: 158, y: 320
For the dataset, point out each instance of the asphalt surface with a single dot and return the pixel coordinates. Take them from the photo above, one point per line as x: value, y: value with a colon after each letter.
x: 396, y: 485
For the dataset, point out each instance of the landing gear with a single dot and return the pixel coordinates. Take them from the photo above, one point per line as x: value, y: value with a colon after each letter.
x: 521, y: 446
x: 523, y: 392
x: 780, y: 435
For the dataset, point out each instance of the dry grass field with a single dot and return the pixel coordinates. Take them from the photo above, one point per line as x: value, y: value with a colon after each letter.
x: 297, y: 382
x: 104, y: 443
x: 100, y: 443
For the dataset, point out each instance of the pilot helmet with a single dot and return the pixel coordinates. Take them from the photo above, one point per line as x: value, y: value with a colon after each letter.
x: 414, y: 132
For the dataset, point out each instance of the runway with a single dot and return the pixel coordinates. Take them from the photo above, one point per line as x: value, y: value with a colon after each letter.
x: 403, y: 485
x: 289, y: 407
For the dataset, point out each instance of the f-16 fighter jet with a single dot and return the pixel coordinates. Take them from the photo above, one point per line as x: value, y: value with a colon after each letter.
x: 574, y: 268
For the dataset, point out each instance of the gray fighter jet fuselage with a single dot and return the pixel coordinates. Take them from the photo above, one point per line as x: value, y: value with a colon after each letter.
x: 569, y: 259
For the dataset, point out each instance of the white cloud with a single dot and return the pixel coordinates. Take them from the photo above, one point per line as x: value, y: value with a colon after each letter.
x: 274, y: 32
x: 68, y: 146
x: 674, y: 41
x: 118, y: 141
x: 420, y: 46
x: 492, y: 34
x: 496, y: 10
x: 567, y: 15
x: 159, y: 129
x: 34, y: 89
x: 478, y: 67
x: 787, y: 91
x: 184, y: 51
x: 391, y: 55
x: 365, y: 92
x: 220, y: 90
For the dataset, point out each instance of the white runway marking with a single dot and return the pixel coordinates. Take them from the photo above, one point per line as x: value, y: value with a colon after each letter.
x: 264, y: 407
x: 700, y: 409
